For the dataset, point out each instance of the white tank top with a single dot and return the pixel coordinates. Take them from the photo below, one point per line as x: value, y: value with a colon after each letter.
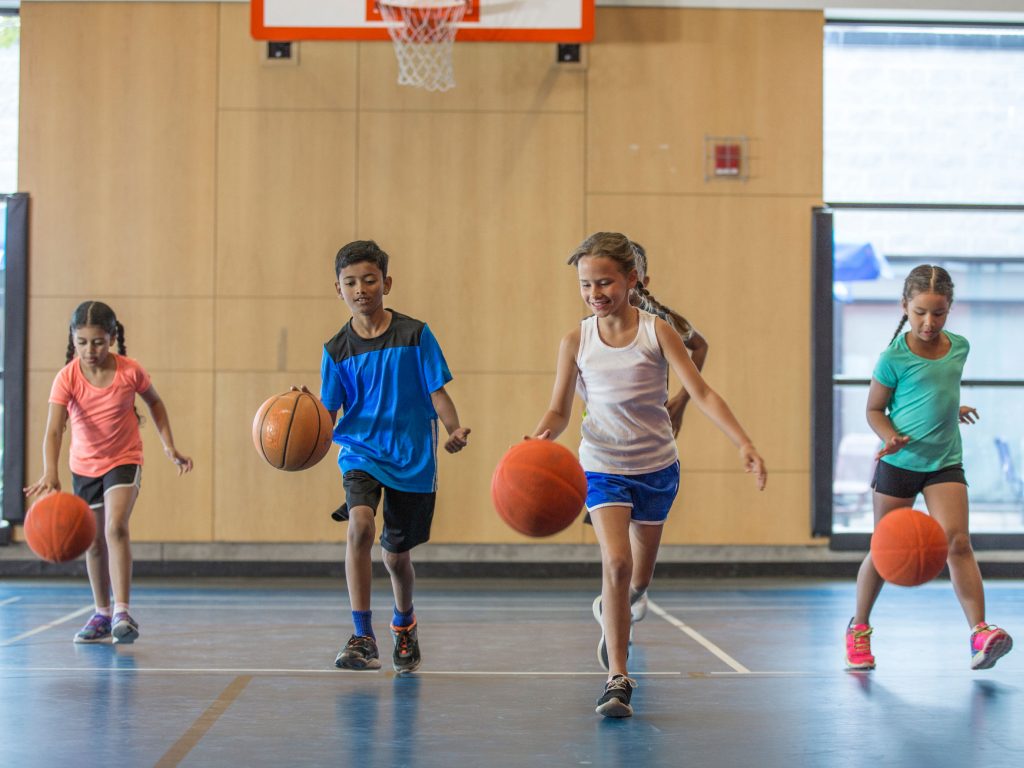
x: 626, y: 426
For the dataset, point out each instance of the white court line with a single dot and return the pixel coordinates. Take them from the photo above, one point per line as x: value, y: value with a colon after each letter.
x: 331, y: 672
x: 9, y: 600
x: 725, y: 657
x: 54, y: 623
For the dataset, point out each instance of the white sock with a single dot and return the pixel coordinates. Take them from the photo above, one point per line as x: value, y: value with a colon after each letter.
x: 120, y: 607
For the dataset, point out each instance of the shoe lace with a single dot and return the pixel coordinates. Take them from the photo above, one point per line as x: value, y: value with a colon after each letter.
x: 403, y: 638
x: 620, y: 683
x: 862, y: 640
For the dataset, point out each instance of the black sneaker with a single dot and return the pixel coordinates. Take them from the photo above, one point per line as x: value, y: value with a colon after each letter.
x: 614, y: 702
x: 360, y: 652
x: 406, y: 657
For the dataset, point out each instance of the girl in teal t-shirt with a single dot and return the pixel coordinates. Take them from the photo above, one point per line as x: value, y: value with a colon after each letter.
x: 914, y: 408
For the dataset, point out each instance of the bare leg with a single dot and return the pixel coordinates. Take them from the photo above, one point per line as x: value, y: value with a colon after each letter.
x: 644, y: 542
x: 119, y: 503
x: 97, y: 564
x: 403, y: 578
x: 869, y: 583
x: 611, y: 524
x: 947, y: 503
x: 358, y: 567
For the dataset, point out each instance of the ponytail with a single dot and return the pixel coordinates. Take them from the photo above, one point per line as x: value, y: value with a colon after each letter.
x: 899, y: 328
x: 644, y: 299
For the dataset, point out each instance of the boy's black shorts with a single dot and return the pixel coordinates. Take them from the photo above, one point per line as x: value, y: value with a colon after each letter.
x: 906, y: 483
x: 93, y: 489
x: 407, y: 515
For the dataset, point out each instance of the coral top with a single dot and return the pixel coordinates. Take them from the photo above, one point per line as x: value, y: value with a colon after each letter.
x: 104, y: 427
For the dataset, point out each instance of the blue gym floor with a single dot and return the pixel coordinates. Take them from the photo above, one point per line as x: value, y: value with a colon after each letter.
x: 731, y: 673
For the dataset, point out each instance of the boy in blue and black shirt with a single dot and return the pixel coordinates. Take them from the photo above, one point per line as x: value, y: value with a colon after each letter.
x: 386, y: 373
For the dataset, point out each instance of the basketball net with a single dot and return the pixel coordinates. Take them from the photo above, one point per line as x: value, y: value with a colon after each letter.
x: 423, y: 32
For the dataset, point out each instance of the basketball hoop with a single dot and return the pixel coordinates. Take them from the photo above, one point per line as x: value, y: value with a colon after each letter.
x: 423, y: 32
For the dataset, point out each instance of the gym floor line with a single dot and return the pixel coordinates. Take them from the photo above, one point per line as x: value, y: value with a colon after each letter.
x: 240, y: 672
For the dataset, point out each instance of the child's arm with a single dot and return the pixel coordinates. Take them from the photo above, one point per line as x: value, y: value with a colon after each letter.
x: 698, y: 347
x: 709, y: 401
x: 879, y: 397
x: 56, y: 422
x: 556, y: 419
x: 163, y: 425
x: 457, y: 435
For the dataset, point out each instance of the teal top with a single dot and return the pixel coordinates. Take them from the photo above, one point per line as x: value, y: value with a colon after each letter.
x: 925, y: 403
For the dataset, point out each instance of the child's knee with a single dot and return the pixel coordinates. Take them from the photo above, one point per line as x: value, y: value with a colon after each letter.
x: 395, y: 561
x: 960, y: 545
x: 361, y: 533
x: 618, y: 568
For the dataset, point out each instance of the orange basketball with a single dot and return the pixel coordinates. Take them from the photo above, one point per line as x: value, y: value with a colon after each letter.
x: 538, y: 487
x: 59, y: 527
x: 292, y: 431
x: 908, y: 547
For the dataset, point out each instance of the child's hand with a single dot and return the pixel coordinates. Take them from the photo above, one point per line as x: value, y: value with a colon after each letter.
x: 892, y: 445
x: 300, y: 388
x: 968, y: 415
x: 181, y: 461
x: 545, y: 435
x: 457, y: 440
x: 44, y: 485
x: 754, y: 464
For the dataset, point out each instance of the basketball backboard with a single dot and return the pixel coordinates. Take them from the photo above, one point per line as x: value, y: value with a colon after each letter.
x: 555, y: 21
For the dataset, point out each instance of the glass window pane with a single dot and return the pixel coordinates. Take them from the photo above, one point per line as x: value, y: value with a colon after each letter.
x: 988, y: 307
x: 923, y: 114
x: 993, y: 461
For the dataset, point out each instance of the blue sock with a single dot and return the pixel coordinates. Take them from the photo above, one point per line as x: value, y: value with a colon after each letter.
x: 403, y: 619
x: 362, y: 622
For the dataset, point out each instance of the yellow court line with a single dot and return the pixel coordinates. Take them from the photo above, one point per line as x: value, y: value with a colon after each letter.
x: 180, y: 749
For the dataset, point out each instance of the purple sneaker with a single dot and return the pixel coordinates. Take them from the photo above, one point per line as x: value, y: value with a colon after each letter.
x: 96, y: 630
x: 125, y: 628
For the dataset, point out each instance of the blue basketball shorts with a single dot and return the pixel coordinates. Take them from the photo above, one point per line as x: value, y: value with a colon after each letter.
x: 649, y: 496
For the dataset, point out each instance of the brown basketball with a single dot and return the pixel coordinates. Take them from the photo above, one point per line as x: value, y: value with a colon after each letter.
x: 292, y: 431
x: 59, y: 527
x: 538, y: 487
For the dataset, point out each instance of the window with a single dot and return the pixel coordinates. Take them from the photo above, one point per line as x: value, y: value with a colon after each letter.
x: 922, y: 158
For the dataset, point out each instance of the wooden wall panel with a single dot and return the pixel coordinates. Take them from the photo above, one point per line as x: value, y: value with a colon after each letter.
x: 252, y: 500
x: 278, y: 334
x: 206, y: 195
x: 490, y: 77
x: 660, y: 80
x: 116, y: 147
x: 285, y: 200
x: 173, y: 507
x: 322, y: 75
x: 164, y: 334
x: 479, y: 212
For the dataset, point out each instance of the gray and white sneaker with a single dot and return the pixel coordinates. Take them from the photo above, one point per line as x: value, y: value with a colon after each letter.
x: 614, y: 702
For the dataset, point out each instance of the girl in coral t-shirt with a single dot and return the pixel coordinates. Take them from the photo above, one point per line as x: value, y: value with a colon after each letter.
x: 96, y: 390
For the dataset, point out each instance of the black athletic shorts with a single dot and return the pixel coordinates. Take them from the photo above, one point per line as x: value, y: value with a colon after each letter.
x: 407, y: 515
x: 93, y: 489
x: 906, y: 483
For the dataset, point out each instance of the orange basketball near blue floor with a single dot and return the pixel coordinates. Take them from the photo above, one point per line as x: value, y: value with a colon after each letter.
x: 538, y: 488
x: 59, y: 527
x: 908, y: 547
x: 292, y: 431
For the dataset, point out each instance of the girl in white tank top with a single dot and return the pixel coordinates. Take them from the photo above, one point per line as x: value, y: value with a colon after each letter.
x: 617, y: 360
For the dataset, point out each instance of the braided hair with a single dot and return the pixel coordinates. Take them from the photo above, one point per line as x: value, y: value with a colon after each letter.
x: 100, y: 315
x: 643, y: 298
x: 925, y: 278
